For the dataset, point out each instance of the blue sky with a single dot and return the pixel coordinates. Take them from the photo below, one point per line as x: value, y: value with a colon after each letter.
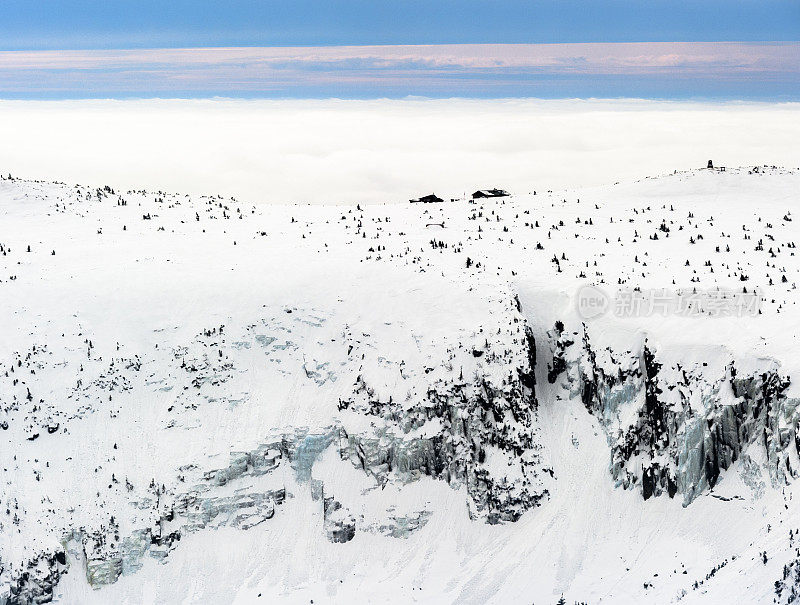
x: 82, y: 24
x: 34, y: 38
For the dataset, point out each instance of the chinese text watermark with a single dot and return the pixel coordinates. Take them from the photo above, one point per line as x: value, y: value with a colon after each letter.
x: 592, y: 302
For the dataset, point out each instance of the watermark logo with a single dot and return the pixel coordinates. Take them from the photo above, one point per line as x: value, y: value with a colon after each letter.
x: 592, y: 302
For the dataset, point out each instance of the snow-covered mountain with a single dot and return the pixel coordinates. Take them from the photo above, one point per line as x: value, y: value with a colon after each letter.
x: 202, y: 400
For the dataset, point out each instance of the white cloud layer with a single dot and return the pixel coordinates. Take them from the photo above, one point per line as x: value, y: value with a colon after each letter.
x: 383, y: 150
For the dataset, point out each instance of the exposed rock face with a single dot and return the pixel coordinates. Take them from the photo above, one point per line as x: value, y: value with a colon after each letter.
x: 36, y: 583
x: 478, y: 433
x: 340, y: 525
x: 242, y: 494
x: 674, y: 428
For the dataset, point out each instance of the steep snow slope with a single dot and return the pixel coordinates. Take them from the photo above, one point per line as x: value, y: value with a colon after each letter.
x: 206, y: 401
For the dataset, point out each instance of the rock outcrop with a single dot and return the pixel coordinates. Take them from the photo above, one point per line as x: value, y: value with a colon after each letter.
x: 673, y: 427
x: 476, y: 433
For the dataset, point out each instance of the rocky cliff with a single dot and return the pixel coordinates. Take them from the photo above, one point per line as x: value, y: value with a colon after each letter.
x: 675, y: 426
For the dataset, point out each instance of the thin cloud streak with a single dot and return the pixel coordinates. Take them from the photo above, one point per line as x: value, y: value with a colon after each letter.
x: 346, y: 70
x: 588, y: 58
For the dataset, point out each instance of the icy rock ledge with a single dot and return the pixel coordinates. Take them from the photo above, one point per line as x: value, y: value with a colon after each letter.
x: 480, y: 434
x: 673, y: 427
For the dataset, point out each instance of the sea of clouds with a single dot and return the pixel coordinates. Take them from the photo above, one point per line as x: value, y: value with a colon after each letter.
x: 334, y: 151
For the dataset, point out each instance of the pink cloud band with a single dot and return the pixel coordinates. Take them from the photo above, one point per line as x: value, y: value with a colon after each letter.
x: 267, y: 66
x: 592, y: 57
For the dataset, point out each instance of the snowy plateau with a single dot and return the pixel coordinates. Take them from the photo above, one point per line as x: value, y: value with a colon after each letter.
x: 209, y: 401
